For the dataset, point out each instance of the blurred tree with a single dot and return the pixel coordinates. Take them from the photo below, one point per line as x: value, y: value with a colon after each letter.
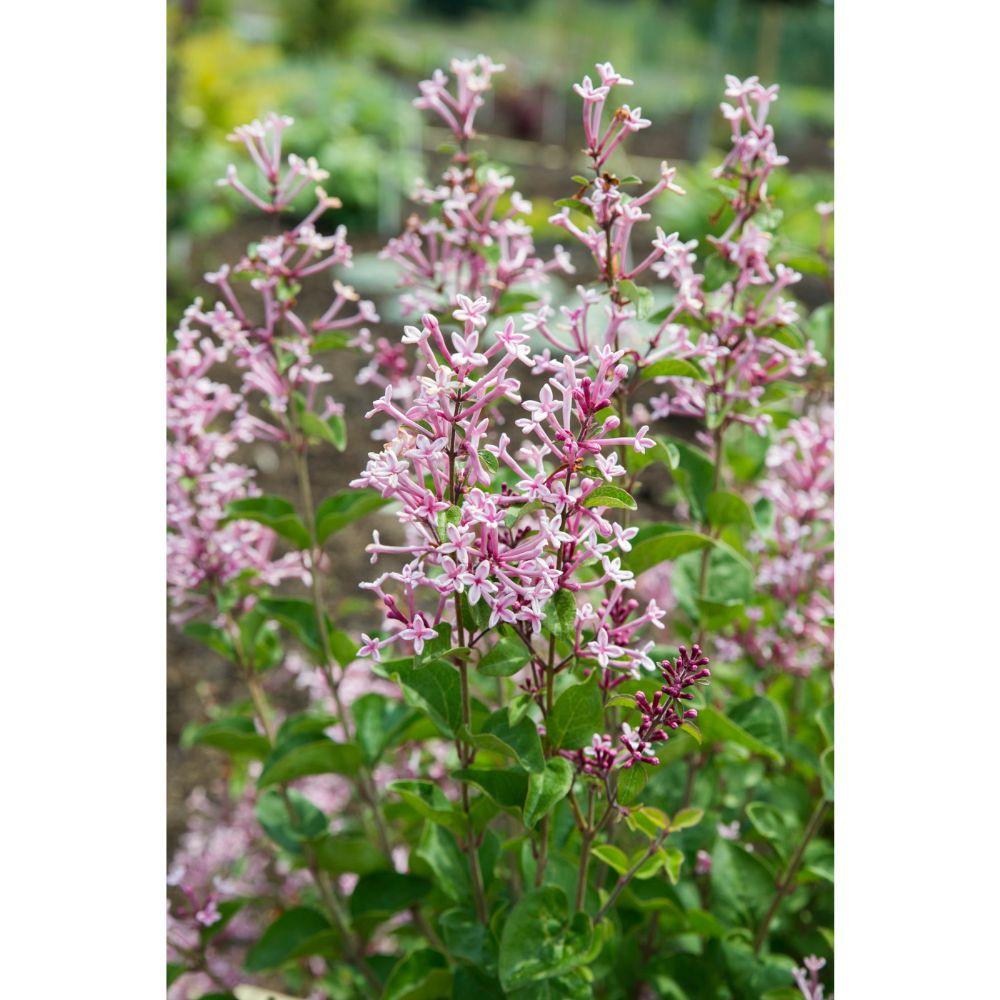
x: 318, y: 25
x: 189, y: 14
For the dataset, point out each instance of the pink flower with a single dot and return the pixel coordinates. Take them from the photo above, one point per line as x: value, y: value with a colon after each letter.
x: 418, y: 632
x: 603, y: 649
x: 472, y: 312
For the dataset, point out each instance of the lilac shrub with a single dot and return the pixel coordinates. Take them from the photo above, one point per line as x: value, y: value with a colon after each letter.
x: 583, y: 751
x: 790, y: 625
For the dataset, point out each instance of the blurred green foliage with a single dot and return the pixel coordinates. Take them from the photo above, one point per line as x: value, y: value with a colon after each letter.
x: 346, y: 70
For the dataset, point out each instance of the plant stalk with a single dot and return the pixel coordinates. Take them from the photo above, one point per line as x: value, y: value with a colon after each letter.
x: 785, y: 882
x: 630, y: 874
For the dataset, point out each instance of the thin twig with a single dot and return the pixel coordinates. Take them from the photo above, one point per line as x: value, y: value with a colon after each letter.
x: 785, y: 882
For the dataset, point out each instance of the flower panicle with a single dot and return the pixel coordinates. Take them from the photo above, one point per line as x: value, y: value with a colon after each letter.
x: 505, y: 526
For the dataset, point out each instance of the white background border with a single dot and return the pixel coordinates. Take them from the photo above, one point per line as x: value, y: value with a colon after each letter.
x: 918, y: 385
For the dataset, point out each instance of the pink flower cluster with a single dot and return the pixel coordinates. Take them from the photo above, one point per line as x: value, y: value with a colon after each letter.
x: 263, y: 143
x: 615, y: 216
x: 272, y: 344
x: 273, y: 348
x: 624, y: 121
x: 205, y: 420
x: 505, y: 527
x: 743, y: 342
x: 792, y: 628
x: 807, y: 979
x: 222, y: 858
x: 458, y: 111
x: 474, y: 240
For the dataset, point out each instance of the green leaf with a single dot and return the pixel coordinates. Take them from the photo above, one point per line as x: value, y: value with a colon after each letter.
x: 421, y: 975
x: 490, y: 252
x: 235, y: 735
x: 546, y: 789
x: 519, y: 740
x: 692, y: 730
x: 762, y: 719
x: 729, y: 581
x: 576, y: 715
x: 290, y: 823
x: 621, y: 701
x: 348, y: 852
x: 824, y: 719
x: 274, y: 512
x: 506, y: 786
x: 297, y: 932
x: 826, y: 773
x: 560, y: 614
x: 439, y: 647
x: 343, y: 647
x: 728, y: 508
x: 705, y: 925
x: 673, y: 455
x: 631, y: 782
x: 340, y: 509
x: 519, y: 706
x: 577, y: 984
x: 330, y: 340
x: 302, y: 754
x: 332, y: 430
x: 648, y: 866
x: 640, y: 297
x: 387, y: 892
x: 466, y: 938
x: 607, y: 495
x: 452, y: 515
x: 769, y: 822
x: 741, y: 885
x: 788, y: 336
x: 298, y: 617
x: 427, y: 800
x: 260, y: 642
x: 472, y: 981
x: 438, y: 850
x: 650, y: 820
x: 574, y: 205
x: 612, y: 856
x: 338, y: 431
x: 505, y: 658
x: 662, y: 451
x: 672, y: 368
x: 434, y: 687
x: 212, y: 637
x: 695, y: 475
x: 672, y: 860
x: 718, y: 728
x: 691, y: 816
x: 478, y: 613
x: 515, y: 302
x: 227, y: 910
x: 379, y: 721
x: 752, y: 977
x: 669, y: 544
x: 539, y: 940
